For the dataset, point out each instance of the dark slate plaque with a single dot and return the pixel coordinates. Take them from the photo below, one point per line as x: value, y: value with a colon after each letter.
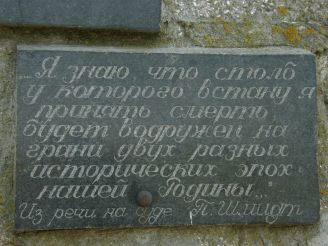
x: 138, y: 15
x: 132, y: 138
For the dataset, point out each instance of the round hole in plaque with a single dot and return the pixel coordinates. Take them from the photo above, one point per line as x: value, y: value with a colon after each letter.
x: 144, y: 198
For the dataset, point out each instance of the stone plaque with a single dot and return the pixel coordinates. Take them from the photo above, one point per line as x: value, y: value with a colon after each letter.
x: 132, y: 138
x: 138, y: 15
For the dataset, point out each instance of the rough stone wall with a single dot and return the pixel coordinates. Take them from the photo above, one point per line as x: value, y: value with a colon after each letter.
x: 185, y: 23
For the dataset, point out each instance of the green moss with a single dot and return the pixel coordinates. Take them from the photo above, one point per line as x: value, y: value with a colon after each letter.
x: 282, y: 10
x: 227, y: 28
x: 276, y: 29
x: 324, y: 192
x: 292, y: 35
x: 210, y: 40
x: 310, y: 32
x: 198, y: 28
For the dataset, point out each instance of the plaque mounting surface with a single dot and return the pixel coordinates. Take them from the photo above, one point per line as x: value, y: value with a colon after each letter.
x: 137, y: 15
x: 129, y: 138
